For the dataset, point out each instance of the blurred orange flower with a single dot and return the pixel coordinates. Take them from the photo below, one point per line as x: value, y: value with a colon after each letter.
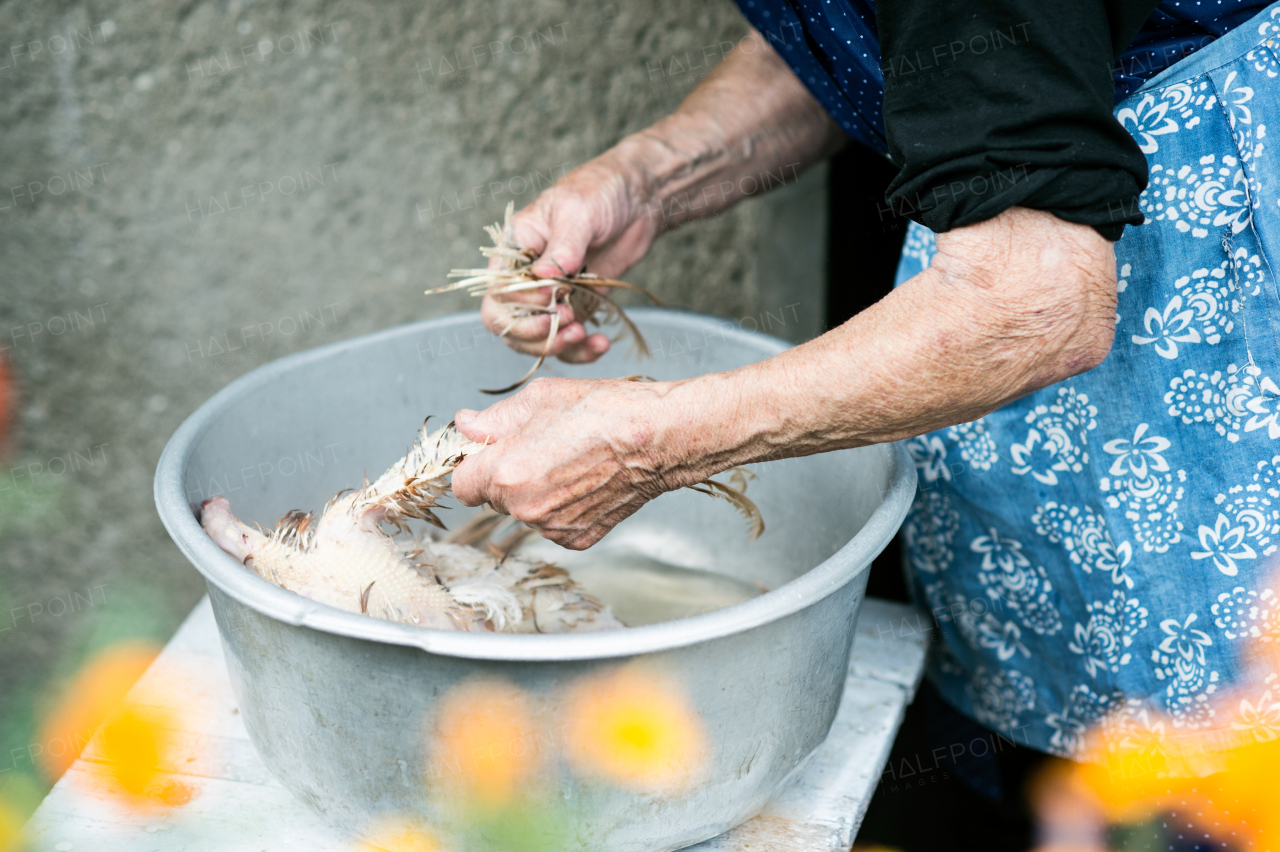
x: 8, y: 407
x: 86, y: 702
x: 636, y: 728
x: 486, y: 742
x: 1220, y: 780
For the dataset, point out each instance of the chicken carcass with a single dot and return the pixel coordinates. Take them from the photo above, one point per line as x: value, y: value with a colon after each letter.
x: 347, y: 560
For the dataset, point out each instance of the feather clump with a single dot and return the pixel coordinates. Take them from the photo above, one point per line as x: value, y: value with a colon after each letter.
x: 511, y: 274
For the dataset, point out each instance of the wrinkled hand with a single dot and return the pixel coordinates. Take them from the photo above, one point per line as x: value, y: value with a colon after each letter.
x: 592, y: 216
x: 571, y: 458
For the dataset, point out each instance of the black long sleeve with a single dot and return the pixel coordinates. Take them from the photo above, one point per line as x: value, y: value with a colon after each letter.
x: 994, y: 103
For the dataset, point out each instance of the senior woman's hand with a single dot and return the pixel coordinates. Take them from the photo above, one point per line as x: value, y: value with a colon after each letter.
x: 1008, y: 306
x: 750, y: 115
x: 573, y: 457
x: 597, y: 214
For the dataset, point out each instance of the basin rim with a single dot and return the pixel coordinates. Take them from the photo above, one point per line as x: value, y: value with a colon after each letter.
x: 247, y: 588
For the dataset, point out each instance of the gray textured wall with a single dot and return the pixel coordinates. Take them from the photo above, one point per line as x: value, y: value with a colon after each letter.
x: 189, y: 189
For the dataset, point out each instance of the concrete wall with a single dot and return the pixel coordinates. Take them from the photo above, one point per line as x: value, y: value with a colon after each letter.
x: 189, y: 189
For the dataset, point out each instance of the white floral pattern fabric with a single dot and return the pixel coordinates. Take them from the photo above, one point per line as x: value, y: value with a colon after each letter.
x: 1099, y: 549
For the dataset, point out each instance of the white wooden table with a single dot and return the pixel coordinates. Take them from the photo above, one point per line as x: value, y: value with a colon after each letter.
x: 239, y: 807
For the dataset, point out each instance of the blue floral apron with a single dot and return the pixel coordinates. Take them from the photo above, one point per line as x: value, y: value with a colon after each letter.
x: 1103, y: 545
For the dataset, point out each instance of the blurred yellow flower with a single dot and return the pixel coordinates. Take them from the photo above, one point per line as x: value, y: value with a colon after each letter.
x: 10, y: 829
x: 133, y: 741
x: 636, y: 728
x: 134, y: 745
x: 86, y: 701
x: 398, y: 835
x: 486, y: 742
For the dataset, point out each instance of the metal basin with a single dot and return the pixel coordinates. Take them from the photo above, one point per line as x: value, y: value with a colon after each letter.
x: 341, y: 707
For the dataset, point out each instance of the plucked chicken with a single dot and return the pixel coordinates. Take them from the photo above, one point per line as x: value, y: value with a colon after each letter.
x: 345, y: 558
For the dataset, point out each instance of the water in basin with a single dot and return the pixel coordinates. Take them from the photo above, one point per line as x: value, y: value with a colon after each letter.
x: 644, y: 590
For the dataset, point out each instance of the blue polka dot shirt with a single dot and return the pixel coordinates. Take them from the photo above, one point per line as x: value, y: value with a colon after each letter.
x: 833, y: 47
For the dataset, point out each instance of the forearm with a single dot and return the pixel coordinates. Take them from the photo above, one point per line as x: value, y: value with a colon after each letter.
x: 948, y: 346
x: 1007, y: 306
x: 751, y: 125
